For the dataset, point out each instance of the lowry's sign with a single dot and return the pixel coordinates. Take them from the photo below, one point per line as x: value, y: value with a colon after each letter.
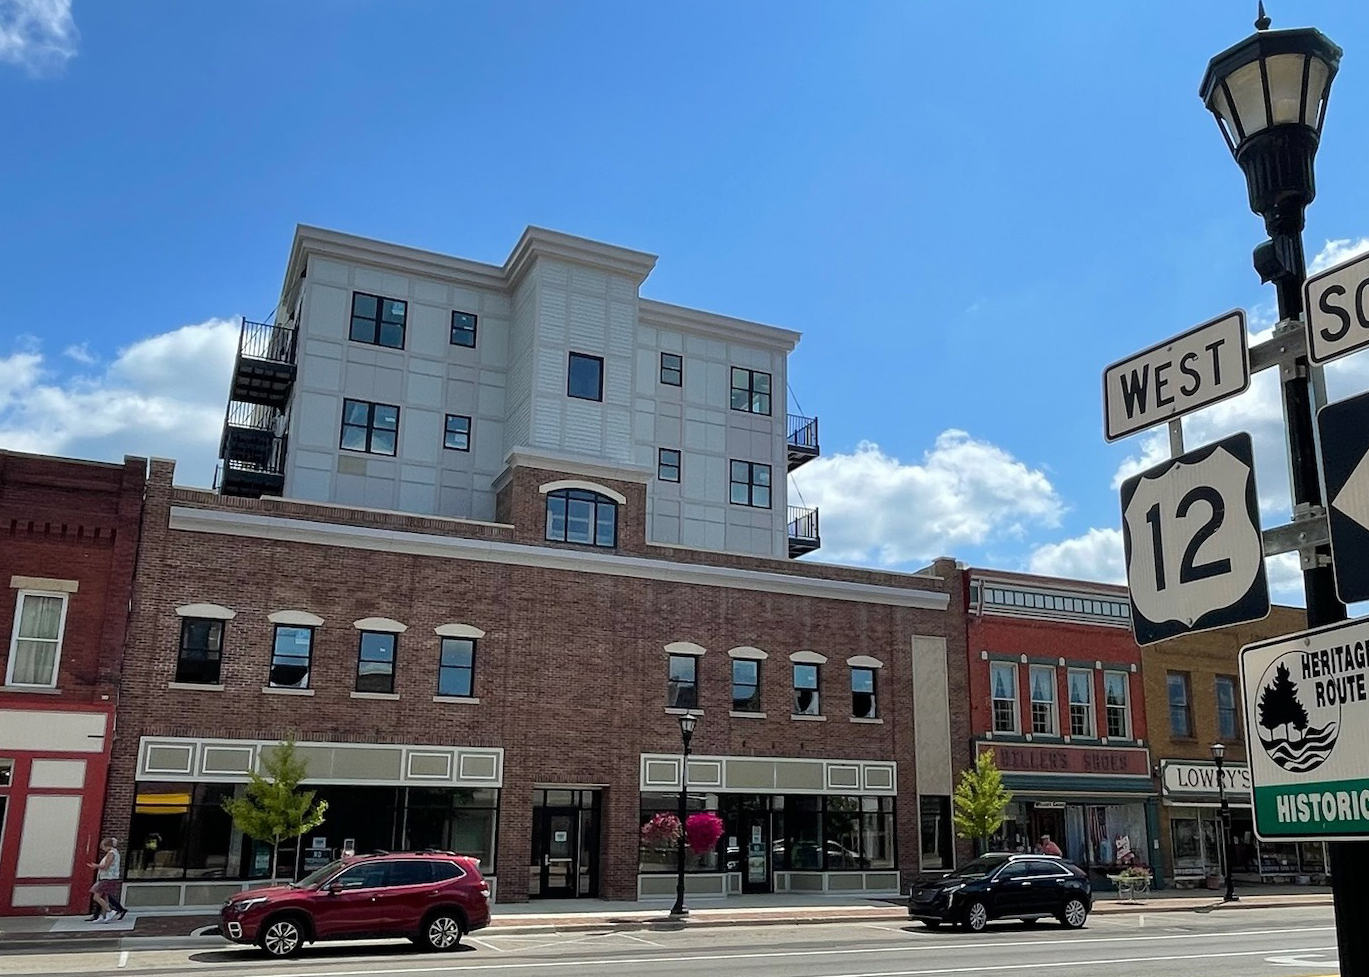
x: 1034, y: 758
x: 1188, y: 778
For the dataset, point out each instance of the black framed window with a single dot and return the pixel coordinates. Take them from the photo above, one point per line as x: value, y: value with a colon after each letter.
x: 668, y: 465
x: 376, y: 662
x: 863, y: 705
x: 463, y: 329
x: 456, y: 667
x: 581, y: 516
x: 672, y: 369
x: 746, y: 685
x: 457, y: 436
x: 368, y: 427
x: 378, y: 321
x: 292, y: 653
x: 806, y: 702
x: 201, y: 651
x: 1115, y: 688
x: 1228, y: 726
x: 750, y: 391
x: 750, y: 484
x: 585, y: 377
x: 682, y: 687
x: 1180, y: 719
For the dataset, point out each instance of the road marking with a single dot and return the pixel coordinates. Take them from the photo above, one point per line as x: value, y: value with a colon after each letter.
x: 488, y: 946
x: 1296, y: 960
x: 629, y: 936
x: 123, y: 959
x: 900, y: 948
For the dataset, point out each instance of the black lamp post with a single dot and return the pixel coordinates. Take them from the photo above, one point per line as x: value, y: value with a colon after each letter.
x: 1219, y: 755
x: 1269, y: 95
x: 687, y: 723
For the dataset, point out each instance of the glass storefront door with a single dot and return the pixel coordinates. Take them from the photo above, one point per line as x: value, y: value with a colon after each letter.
x: 565, y: 844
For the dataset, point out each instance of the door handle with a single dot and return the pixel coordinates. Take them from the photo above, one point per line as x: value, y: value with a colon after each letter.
x: 1026, y: 885
x: 546, y: 860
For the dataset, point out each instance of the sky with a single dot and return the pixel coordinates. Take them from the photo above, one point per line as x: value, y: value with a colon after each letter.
x: 968, y: 211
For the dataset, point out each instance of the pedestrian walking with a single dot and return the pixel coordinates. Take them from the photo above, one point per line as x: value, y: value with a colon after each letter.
x: 105, y: 891
x: 1049, y: 847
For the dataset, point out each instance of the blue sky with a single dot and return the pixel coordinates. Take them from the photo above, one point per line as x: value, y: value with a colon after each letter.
x: 967, y: 209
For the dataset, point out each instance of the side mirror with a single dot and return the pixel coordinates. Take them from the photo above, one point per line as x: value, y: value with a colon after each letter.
x: 334, y: 888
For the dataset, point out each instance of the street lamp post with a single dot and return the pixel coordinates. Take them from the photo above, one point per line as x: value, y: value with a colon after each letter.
x: 687, y: 723
x: 1219, y: 755
x: 1269, y: 95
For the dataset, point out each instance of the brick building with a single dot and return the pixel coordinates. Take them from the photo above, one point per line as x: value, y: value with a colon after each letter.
x: 1193, y: 694
x: 1055, y: 692
x: 68, y: 540
x: 528, y: 519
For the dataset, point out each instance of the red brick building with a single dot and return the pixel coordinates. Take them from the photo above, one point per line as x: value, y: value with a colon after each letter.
x: 473, y: 685
x: 68, y: 541
x: 1055, y: 692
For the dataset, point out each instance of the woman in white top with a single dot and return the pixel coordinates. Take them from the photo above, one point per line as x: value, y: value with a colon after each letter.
x: 106, y: 888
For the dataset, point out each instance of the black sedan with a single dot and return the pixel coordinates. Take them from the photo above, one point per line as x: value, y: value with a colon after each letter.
x: 1004, y: 886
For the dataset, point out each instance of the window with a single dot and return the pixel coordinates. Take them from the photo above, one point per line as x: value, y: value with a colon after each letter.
x: 458, y: 434
x: 682, y: 688
x: 863, y: 693
x: 201, y: 651
x: 376, y: 662
x: 367, y: 875
x: 1043, y: 699
x: 456, y: 667
x: 373, y: 428
x: 1228, y: 728
x: 1115, y: 695
x: 751, y: 484
x: 1003, y: 687
x: 937, y: 850
x: 580, y: 516
x: 378, y: 321
x: 463, y: 329
x: 409, y: 872
x: 585, y: 377
x: 1180, y: 721
x: 1081, y: 702
x: 36, y: 644
x: 750, y: 391
x: 806, y: 691
x: 746, y: 685
x: 290, y: 657
x: 668, y: 465
x: 672, y: 369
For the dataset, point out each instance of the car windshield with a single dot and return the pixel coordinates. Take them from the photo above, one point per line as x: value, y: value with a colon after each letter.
x: 978, y: 868
x: 315, y: 877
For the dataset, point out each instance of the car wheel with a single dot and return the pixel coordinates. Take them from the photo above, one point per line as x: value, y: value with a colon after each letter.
x: 282, y: 937
x: 1075, y: 914
x: 441, y: 931
x: 976, y: 916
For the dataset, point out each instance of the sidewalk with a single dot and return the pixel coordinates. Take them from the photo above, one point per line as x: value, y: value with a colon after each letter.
x: 576, y: 915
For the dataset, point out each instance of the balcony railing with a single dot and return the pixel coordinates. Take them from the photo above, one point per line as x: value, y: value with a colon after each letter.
x: 258, y: 417
x: 803, y: 531
x: 803, y: 440
x: 264, y: 341
x: 264, y: 371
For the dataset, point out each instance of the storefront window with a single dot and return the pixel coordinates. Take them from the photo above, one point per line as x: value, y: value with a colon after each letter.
x: 877, y: 832
x: 661, y: 856
x: 936, y: 832
x: 181, y: 831
x: 462, y: 820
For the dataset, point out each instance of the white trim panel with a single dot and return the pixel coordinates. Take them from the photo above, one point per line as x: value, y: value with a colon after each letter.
x: 458, y: 631
x: 299, y: 619
x: 808, y: 658
x: 387, y: 625
x: 660, y: 772
x: 864, y: 661
x: 210, y: 612
x: 685, y: 648
x: 747, y: 652
x: 583, y: 485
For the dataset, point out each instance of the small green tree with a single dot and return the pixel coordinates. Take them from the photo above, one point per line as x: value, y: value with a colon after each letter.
x: 980, y: 800
x: 274, y: 809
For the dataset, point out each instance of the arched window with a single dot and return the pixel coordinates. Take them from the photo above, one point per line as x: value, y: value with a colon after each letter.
x: 581, y: 516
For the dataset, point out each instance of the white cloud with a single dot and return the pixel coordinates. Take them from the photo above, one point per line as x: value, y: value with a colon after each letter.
x: 80, y: 352
x: 38, y: 35
x: 164, y: 395
x: 1334, y: 252
x: 877, y: 509
x: 1096, y: 555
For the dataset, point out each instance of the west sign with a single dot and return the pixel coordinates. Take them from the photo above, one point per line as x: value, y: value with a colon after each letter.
x: 1307, y: 733
x: 1204, y: 365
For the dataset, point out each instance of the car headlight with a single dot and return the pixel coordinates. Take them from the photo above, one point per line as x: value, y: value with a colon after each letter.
x: 247, y: 904
x: 951, y: 890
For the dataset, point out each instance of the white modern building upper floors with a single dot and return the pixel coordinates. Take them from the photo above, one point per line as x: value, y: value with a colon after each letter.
x: 400, y: 379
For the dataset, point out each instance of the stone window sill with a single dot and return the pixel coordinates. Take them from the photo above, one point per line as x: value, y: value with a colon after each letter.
x: 271, y: 690
x: 31, y: 689
x: 684, y: 712
x: 747, y: 715
x: 470, y: 700
x: 809, y: 719
x: 391, y: 696
x: 195, y: 686
x: 876, y: 721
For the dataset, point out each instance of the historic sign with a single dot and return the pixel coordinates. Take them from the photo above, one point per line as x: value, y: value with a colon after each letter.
x: 1189, y: 778
x: 1034, y: 758
x: 1307, y: 733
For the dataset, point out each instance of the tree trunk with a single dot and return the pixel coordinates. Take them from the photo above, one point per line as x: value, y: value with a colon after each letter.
x: 275, y: 851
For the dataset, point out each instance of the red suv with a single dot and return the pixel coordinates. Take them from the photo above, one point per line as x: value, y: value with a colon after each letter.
x: 433, y: 898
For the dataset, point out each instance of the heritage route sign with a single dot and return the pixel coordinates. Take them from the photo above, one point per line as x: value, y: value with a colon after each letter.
x: 1307, y: 733
x: 1200, y: 367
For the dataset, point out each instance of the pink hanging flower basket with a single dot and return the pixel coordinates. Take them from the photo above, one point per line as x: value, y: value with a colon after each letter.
x: 702, y: 832
x: 662, y: 829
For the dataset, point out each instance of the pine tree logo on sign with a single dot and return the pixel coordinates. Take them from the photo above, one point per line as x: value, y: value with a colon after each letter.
x: 1297, y: 736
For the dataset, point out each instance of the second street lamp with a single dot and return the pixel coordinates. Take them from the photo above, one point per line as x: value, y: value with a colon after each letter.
x: 1218, y: 754
x: 687, y: 724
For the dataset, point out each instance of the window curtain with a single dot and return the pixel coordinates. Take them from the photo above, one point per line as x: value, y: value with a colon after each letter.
x: 35, y: 647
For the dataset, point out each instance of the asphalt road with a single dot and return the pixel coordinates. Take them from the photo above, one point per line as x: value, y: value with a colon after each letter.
x: 1246, y: 942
